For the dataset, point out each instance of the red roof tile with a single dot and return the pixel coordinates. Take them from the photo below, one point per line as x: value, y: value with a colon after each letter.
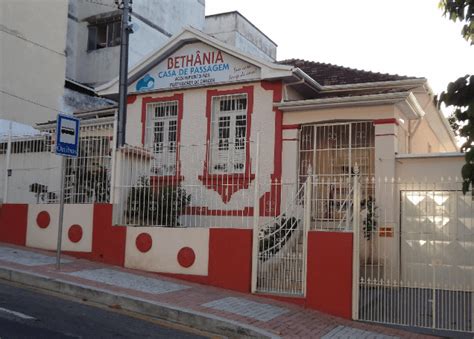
x: 329, y: 74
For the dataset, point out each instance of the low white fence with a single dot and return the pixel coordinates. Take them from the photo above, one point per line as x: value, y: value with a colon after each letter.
x: 31, y: 170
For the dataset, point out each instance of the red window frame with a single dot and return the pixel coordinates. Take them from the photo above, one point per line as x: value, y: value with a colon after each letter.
x: 148, y: 100
x: 233, y: 181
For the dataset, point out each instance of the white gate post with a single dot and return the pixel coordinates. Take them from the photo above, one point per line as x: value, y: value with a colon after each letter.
x: 7, y: 165
x: 308, y: 189
x: 256, y: 215
x: 356, y: 189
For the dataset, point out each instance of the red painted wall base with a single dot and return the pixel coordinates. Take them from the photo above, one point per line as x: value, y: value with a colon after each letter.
x: 13, y: 222
x: 329, y: 279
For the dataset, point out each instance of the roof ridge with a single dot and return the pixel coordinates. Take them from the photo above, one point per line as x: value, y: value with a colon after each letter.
x: 346, y: 67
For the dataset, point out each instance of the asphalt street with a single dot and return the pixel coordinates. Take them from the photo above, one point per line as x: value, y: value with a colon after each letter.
x: 26, y: 313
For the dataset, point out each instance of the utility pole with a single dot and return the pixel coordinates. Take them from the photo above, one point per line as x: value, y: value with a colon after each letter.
x: 125, y: 6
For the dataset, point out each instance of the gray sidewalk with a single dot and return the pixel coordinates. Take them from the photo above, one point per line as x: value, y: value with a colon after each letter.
x: 204, y: 307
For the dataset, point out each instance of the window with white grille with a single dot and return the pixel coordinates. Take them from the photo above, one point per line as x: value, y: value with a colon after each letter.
x: 229, y: 131
x: 162, y: 134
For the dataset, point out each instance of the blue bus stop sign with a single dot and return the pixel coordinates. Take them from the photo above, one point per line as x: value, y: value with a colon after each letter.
x: 67, y: 136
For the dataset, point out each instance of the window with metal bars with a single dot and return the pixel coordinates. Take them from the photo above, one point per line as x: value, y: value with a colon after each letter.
x: 229, y: 131
x: 162, y: 135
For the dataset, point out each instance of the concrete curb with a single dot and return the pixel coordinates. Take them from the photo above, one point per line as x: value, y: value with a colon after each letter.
x: 163, y: 311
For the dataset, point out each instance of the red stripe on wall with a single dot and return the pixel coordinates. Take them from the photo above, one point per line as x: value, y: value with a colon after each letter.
x: 329, y: 279
x: 13, y: 223
x: 386, y: 121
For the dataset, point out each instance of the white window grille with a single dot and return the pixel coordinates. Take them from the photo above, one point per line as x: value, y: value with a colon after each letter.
x: 229, y: 131
x: 162, y: 135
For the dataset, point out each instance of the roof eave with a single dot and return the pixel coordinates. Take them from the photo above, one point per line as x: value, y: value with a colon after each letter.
x: 405, y: 101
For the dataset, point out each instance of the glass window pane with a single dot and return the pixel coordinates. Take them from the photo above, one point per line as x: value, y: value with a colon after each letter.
x: 92, y: 41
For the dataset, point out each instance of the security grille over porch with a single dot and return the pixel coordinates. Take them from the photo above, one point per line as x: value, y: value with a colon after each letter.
x: 332, y: 151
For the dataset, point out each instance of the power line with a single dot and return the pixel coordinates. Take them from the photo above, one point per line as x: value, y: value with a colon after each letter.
x: 6, y: 30
x: 30, y: 101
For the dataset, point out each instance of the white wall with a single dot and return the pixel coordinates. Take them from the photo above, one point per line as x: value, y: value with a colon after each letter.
x: 33, y: 60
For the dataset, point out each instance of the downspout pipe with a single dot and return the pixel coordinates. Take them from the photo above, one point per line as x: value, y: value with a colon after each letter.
x: 285, y: 88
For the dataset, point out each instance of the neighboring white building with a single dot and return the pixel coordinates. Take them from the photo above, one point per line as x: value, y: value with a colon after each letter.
x: 32, y: 59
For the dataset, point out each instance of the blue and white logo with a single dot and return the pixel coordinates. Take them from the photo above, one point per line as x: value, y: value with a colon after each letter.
x: 67, y: 136
x: 147, y: 82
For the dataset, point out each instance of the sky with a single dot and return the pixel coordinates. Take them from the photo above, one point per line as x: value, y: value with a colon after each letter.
x: 406, y: 37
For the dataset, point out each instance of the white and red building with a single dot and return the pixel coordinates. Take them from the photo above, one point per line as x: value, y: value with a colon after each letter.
x: 240, y: 133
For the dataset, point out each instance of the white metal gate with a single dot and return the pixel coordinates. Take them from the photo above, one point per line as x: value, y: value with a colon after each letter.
x: 281, y: 245
x: 417, y: 256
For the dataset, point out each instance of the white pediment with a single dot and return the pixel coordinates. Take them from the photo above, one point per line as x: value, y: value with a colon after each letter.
x: 195, y: 59
x: 195, y: 65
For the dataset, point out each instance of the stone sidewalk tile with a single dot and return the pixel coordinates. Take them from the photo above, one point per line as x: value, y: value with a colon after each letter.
x: 247, y: 308
x: 283, y: 319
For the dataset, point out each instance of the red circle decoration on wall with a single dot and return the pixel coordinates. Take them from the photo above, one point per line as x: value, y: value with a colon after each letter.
x: 43, y: 219
x: 186, y: 257
x: 75, y: 233
x: 144, y: 242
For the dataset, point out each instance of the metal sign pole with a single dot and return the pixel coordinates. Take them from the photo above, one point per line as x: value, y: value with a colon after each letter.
x: 67, y: 145
x: 61, y: 213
